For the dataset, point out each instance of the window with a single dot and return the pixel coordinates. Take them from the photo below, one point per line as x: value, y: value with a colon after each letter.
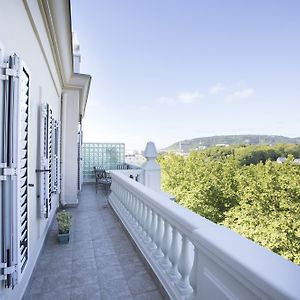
x: 56, y: 158
x: 14, y: 138
x: 47, y: 159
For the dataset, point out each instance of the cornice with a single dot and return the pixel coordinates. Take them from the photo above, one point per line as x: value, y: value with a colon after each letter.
x: 57, y: 21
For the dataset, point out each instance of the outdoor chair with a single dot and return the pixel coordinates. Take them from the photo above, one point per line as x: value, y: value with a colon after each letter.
x: 102, y: 178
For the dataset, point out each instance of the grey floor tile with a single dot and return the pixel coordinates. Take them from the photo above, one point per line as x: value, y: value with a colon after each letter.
x: 83, y: 263
x: 115, y: 289
x: 37, y: 285
x: 84, y: 276
x: 99, y: 262
x: 129, y: 258
x: 57, y: 294
x: 59, y: 280
x: 86, y: 292
x: 132, y: 269
x: 104, y: 251
x: 106, y: 260
x: 140, y: 283
x: 109, y: 273
x: 149, y: 296
x: 83, y: 254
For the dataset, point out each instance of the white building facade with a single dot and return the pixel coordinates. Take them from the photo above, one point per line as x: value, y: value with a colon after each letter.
x: 42, y: 104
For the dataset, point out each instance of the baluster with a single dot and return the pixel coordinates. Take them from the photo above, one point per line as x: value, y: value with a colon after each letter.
x: 129, y: 203
x: 152, y: 245
x: 174, y: 255
x: 141, y: 209
x: 193, y: 275
x: 121, y: 199
x: 126, y: 199
x: 118, y: 196
x: 118, y: 190
x: 158, y: 237
x: 123, y: 196
x: 166, y: 242
x: 138, y: 207
x: 112, y: 186
x: 142, y: 220
x: 144, y: 224
x: 184, y: 268
x: 135, y: 209
x: 139, y: 214
x: 148, y: 226
x: 131, y: 209
x: 126, y: 204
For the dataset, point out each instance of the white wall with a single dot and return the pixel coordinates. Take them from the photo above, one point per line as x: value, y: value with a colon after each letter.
x: 17, y: 36
x: 70, y: 113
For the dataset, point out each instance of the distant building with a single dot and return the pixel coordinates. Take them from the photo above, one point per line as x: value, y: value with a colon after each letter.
x: 297, y: 161
x: 222, y: 145
x: 281, y: 160
x: 201, y: 148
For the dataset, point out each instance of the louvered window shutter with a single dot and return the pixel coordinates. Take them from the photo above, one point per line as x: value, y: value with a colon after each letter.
x: 56, y: 158
x: 22, y: 173
x: 50, y: 156
x: 58, y: 161
x: 14, y: 110
x: 45, y: 171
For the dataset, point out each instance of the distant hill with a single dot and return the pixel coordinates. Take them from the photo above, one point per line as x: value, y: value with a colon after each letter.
x: 189, y: 145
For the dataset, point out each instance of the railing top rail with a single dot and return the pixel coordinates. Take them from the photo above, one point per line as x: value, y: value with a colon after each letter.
x: 183, y: 218
x: 265, y: 269
x: 273, y: 275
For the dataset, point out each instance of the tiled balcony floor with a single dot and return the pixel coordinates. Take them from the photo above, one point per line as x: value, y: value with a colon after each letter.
x: 99, y: 262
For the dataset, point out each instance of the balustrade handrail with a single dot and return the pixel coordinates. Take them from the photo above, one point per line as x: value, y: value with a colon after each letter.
x: 273, y: 276
x: 170, y: 210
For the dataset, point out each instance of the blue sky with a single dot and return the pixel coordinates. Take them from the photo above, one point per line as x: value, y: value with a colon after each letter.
x: 175, y: 69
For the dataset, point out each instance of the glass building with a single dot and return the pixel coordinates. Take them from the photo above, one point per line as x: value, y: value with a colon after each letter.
x: 105, y: 155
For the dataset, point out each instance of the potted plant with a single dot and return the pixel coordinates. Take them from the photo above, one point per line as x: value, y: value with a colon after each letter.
x: 64, y: 223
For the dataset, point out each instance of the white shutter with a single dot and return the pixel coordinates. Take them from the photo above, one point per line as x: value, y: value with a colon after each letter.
x: 45, y: 171
x: 2, y: 159
x: 14, y: 109
x: 56, y: 158
x: 44, y: 165
x: 50, y: 156
x: 22, y: 167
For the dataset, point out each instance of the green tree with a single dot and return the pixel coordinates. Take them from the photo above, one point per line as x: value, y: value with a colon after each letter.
x: 242, y: 188
x: 269, y: 207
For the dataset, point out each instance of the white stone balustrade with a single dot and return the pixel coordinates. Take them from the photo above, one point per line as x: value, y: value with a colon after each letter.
x: 194, y: 258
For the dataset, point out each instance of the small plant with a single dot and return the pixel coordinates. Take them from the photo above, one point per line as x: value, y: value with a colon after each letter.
x: 64, y: 221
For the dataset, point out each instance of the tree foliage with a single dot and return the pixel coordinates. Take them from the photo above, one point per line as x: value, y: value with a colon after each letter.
x: 260, y: 201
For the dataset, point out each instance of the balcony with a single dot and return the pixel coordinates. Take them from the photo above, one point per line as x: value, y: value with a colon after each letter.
x: 120, y: 240
x: 100, y: 262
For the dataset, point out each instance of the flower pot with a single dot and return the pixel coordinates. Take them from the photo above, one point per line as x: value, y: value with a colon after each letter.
x: 63, y: 238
